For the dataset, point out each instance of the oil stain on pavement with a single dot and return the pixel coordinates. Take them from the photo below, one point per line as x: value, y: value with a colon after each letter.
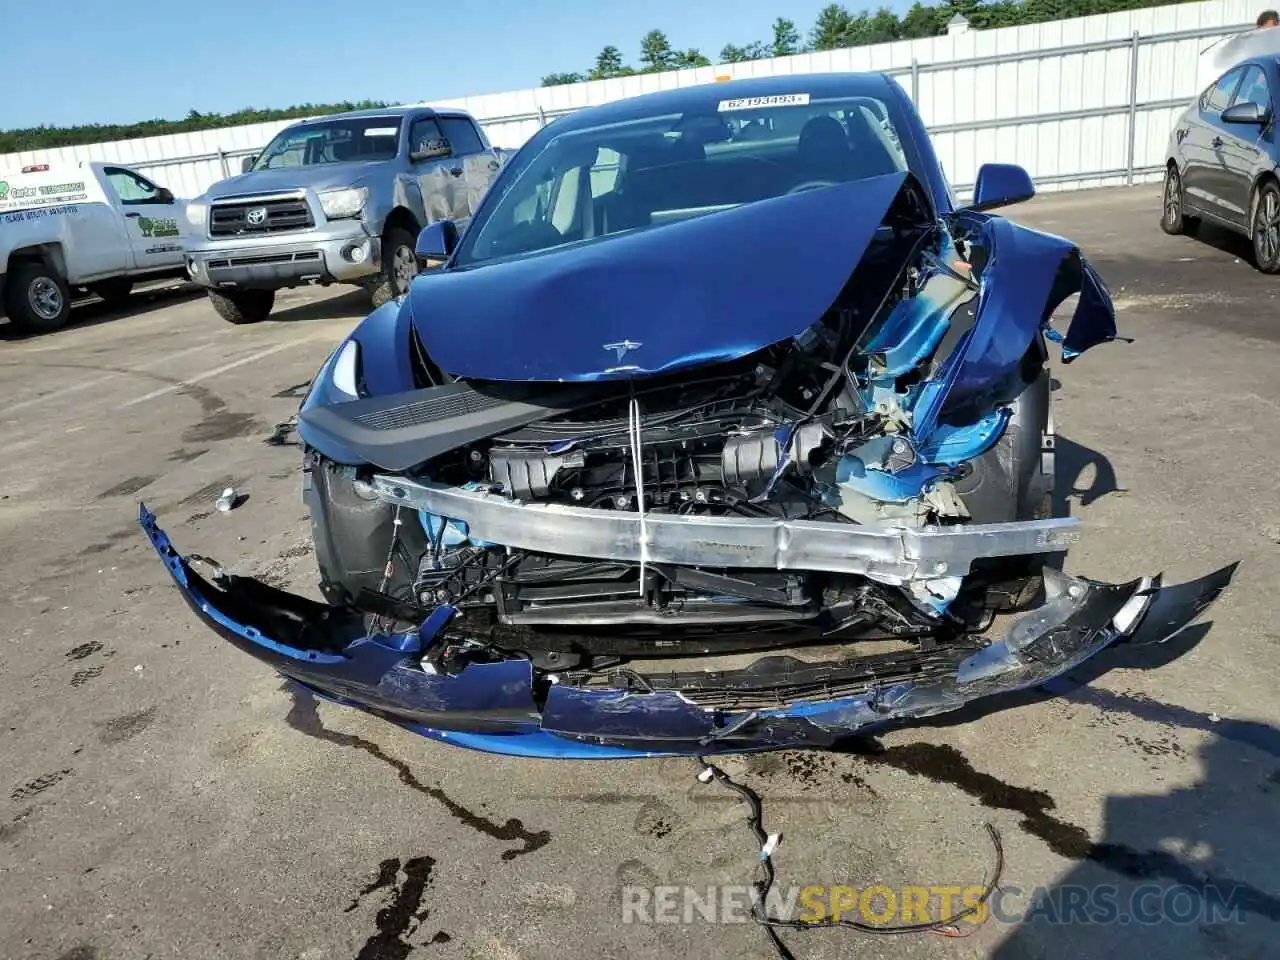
x: 404, y: 914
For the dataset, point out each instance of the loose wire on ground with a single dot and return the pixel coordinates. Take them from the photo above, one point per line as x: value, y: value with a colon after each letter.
x: 760, y: 910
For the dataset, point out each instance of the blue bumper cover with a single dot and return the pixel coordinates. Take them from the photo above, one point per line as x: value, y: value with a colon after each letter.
x: 504, y: 707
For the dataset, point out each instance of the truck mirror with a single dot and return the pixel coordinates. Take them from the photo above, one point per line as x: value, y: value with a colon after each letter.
x: 247, y: 163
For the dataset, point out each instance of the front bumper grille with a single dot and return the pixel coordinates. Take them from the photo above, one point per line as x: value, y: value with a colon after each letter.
x: 255, y: 217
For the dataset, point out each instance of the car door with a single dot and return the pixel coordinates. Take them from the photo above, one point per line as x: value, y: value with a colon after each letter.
x: 472, y: 162
x: 152, y: 219
x: 1202, y: 146
x: 1243, y: 145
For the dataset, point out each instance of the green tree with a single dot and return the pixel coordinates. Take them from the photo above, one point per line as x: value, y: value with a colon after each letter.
x: 692, y: 57
x: 922, y: 21
x: 831, y: 28
x: 655, y: 51
x: 786, y: 38
x: 609, y: 64
x: 730, y: 53
x: 559, y: 79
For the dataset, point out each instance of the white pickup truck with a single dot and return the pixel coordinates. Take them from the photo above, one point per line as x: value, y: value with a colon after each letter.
x: 99, y: 226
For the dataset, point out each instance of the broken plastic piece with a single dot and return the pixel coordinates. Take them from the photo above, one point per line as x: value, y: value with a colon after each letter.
x: 770, y: 845
x: 227, y: 502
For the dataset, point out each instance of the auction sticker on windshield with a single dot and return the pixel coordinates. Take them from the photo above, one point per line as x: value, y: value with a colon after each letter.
x: 755, y: 103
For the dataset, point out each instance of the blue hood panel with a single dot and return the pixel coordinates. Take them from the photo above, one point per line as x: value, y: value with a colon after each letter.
x: 712, y: 288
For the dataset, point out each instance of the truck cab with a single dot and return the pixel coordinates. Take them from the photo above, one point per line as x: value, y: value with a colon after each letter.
x: 338, y: 199
x: 100, y: 226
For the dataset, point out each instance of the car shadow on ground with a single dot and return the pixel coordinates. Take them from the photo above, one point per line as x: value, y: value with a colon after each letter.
x: 1190, y: 872
x: 354, y: 303
x: 91, y: 311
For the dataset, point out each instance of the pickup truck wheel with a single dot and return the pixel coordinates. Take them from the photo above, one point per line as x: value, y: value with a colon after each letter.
x: 114, y: 292
x: 36, y: 298
x: 244, y: 306
x: 399, y: 266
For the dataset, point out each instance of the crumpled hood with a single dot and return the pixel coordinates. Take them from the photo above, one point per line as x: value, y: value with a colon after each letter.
x: 712, y: 288
x: 324, y: 176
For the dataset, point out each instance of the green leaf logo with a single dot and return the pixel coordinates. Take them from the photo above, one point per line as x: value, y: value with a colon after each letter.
x: 4, y: 190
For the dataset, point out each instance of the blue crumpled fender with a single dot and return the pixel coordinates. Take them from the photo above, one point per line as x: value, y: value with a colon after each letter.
x: 1026, y: 275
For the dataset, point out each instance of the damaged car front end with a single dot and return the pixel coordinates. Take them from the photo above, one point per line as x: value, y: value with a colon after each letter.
x: 722, y: 429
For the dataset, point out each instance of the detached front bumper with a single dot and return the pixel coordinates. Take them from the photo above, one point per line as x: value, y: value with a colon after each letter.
x: 507, y: 707
x: 341, y: 253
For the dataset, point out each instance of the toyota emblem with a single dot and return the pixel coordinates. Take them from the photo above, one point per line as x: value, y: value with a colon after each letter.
x: 256, y: 217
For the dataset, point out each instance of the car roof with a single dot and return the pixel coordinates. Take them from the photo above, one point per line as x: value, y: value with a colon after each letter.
x: 396, y: 112
x: 707, y: 96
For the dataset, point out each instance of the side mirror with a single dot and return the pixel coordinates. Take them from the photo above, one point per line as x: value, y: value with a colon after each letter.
x: 1244, y: 113
x: 247, y: 163
x: 431, y: 150
x: 164, y: 195
x: 1001, y: 184
x: 436, y: 242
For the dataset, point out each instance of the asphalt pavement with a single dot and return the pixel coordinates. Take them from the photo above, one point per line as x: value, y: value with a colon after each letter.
x: 165, y: 797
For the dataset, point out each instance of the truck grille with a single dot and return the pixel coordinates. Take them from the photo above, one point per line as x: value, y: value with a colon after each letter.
x: 241, y: 217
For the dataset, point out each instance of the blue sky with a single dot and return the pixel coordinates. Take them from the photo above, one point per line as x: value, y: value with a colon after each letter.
x: 118, y: 62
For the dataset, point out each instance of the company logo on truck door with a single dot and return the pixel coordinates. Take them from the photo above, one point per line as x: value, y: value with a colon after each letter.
x: 158, y: 228
x: 4, y: 191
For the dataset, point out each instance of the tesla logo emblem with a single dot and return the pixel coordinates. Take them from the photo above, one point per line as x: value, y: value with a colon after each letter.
x: 256, y: 217
x: 623, y: 347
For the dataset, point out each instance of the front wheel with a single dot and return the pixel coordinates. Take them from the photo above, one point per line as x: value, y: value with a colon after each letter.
x: 244, y: 306
x: 36, y: 297
x: 1173, y: 218
x: 1265, y: 227
x: 399, y: 266
x: 357, y: 538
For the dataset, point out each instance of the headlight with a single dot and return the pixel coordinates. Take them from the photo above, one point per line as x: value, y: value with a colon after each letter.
x: 196, y: 213
x: 346, y: 369
x: 338, y: 204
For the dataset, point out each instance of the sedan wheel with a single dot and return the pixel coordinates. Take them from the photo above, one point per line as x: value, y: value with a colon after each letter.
x: 1172, y: 219
x: 1266, y: 228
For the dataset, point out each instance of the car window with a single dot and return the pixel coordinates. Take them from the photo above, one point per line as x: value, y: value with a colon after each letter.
x: 131, y: 188
x: 351, y: 140
x: 1218, y: 97
x: 1253, y: 89
x: 462, y: 136
x: 423, y: 133
x: 649, y: 171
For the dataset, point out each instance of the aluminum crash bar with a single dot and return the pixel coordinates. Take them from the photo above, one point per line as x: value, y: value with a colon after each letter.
x: 887, y: 554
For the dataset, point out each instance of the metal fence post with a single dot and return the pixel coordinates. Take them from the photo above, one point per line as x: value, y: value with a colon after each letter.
x: 1133, y: 105
x: 915, y: 83
x: 542, y: 117
x: 222, y: 162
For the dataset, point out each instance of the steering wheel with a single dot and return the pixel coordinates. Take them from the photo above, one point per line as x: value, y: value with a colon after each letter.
x: 811, y: 185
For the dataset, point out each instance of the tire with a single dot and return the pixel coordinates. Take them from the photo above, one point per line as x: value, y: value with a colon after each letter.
x: 353, y: 535
x: 114, y: 292
x: 1173, y: 217
x: 36, y: 298
x: 1264, y: 227
x: 245, y: 306
x: 399, y: 266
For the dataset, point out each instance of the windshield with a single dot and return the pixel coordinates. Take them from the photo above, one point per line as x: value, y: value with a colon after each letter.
x: 333, y: 141
x: 592, y: 183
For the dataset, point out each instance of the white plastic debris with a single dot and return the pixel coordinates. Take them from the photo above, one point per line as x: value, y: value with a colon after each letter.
x: 226, y: 503
x: 706, y: 775
x: 1214, y: 718
x: 770, y: 845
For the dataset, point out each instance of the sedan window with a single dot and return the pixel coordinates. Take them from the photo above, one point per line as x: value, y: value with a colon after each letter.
x: 1253, y: 89
x: 655, y: 170
x: 1218, y: 97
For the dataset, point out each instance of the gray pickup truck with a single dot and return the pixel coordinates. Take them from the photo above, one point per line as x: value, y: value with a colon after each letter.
x: 339, y: 199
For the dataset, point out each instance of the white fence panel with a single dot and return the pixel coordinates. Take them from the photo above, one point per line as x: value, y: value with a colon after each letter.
x: 1077, y: 102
